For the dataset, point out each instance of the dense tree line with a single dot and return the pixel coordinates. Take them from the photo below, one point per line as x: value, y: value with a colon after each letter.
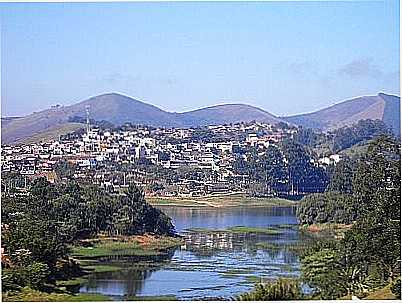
x: 309, y: 137
x: 327, y: 207
x: 364, y: 130
x: 37, y: 227
x: 284, y: 169
x: 339, y: 139
x: 367, y: 257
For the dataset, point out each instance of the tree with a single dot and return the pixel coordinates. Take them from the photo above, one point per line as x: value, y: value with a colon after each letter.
x: 273, y: 168
x: 133, y: 215
x: 342, y: 178
x: 39, y: 226
x: 368, y: 255
x: 303, y: 176
x: 378, y: 233
x: 41, y: 238
x: 321, y: 270
x: 64, y: 169
x: 327, y: 207
x: 364, y: 130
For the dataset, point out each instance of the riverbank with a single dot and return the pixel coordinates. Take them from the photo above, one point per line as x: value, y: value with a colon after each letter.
x: 217, y: 201
x: 337, y: 230
x: 29, y: 295
x: 145, y: 245
x: 87, y: 253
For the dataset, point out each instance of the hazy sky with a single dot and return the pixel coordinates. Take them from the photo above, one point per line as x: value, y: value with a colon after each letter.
x: 285, y: 57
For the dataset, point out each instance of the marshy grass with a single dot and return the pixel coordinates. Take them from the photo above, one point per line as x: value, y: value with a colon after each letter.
x: 105, y: 248
x: 29, y: 295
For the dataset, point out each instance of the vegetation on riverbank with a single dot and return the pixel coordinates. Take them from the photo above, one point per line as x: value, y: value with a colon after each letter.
x: 335, y: 230
x: 362, y: 209
x: 126, y: 246
x: 27, y: 294
x: 233, y: 200
x: 365, y: 258
x: 90, y: 250
x: 281, y: 289
x: 41, y: 227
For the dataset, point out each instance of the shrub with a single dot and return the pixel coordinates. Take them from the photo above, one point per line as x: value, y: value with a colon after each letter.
x: 34, y: 275
x: 282, y: 289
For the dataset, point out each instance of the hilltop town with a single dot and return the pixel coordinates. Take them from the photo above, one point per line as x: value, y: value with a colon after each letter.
x: 181, y: 162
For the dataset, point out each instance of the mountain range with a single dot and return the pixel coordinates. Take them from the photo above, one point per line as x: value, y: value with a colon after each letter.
x: 119, y: 109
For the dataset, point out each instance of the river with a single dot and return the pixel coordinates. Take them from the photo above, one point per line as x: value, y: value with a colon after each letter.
x: 210, y: 265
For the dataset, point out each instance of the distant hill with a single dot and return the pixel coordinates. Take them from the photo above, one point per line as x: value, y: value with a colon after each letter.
x: 383, y: 107
x: 119, y: 109
x: 6, y: 120
x: 225, y: 114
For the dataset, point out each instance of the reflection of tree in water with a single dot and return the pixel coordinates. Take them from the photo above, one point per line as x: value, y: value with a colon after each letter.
x: 194, y: 212
x: 210, y: 244
x: 133, y: 274
x: 207, y: 217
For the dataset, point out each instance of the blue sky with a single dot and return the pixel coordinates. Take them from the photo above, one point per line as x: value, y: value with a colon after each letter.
x: 285, y: 57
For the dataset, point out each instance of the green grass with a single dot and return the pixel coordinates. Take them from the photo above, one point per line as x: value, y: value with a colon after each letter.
x: 120, y: 248
x: 254, y: 230
x: 101, y: 268
x: 71, y: 282
x: 110, y: 248
x: 29, y: 295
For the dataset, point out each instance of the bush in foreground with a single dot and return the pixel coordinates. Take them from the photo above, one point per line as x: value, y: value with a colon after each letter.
x: 282, y: 289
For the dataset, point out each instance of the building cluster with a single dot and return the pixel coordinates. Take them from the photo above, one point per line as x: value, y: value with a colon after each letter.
x: 112, y: 158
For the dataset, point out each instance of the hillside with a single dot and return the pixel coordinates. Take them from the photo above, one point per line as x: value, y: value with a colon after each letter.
x: 119, y: 109
x: 383, y: 107
x: 224, y: 114
x: 52, y: 133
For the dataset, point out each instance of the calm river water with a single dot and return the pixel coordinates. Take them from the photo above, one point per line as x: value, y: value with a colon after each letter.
x: 209, y: 265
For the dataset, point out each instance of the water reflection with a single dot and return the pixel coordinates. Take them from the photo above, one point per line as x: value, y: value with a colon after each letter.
x: 207, y: 217
x: 209, y: 265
